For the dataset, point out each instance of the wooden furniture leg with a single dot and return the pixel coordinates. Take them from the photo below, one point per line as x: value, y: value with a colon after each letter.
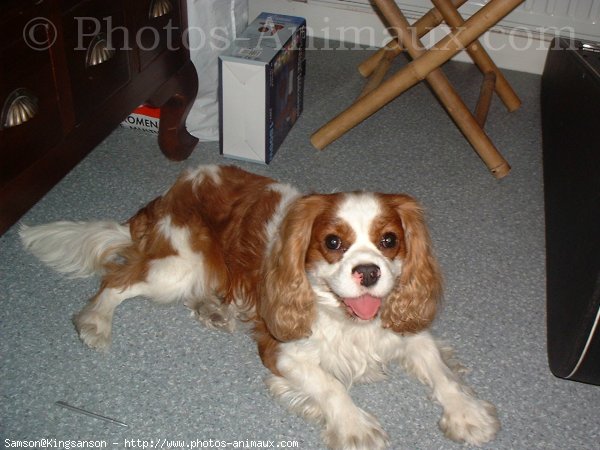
x: 173, y: 138
x: 485, y: 98
x: 376, y: 66
x: 446, y: 93
x: 480, y: 57
x: 424, y: 64
x: 378, y: 73
x: 393, y: 48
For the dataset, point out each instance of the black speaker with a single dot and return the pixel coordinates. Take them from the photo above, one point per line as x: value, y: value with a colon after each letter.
x: 570, y: 100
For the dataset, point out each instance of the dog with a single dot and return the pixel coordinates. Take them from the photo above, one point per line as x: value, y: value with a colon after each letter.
x: 335, y: 286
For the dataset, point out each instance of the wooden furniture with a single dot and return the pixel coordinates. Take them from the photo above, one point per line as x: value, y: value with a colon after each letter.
x: 425, y: 66
x: 71, y: 71
x: 570, y: 99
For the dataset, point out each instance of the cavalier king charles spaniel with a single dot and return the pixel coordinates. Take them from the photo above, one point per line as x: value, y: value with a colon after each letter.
x: 335, y: 286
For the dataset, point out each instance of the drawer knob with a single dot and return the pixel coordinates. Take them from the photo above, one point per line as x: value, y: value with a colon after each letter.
x: 99, y: 52
x: 20, y: 106
x: 159, y: 8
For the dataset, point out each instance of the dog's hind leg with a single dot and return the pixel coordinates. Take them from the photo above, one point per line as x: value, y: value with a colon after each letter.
x: 213, y: 312
x: 94, y: 322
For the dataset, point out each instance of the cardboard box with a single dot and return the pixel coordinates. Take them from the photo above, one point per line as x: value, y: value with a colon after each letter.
x: 144, y: 118
x: 261, y: 87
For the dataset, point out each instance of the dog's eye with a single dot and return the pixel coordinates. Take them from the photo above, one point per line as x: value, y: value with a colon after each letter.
x: 333, y: 242
x: 388, y: 240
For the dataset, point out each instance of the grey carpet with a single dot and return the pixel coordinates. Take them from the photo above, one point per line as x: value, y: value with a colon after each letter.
x: 169, y: 378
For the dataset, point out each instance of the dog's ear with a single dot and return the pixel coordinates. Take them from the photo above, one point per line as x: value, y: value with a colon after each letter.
x: 287, y: 301
x: 412, y: 306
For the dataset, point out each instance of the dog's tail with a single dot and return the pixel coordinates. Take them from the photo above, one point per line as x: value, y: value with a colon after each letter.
x: 79, y: 249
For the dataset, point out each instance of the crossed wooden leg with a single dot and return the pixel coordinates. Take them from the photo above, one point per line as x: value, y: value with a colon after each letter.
x: 425, y: 65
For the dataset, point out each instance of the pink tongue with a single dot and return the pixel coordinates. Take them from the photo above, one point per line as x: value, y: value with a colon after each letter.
x: 365, y: 306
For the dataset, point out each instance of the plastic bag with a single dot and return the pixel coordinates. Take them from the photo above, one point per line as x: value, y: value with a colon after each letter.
x: 212, y: 27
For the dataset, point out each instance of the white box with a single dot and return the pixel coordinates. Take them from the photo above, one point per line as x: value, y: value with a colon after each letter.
x: 261, y: 87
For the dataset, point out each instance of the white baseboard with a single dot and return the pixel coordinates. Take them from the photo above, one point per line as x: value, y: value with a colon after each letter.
x: 520, y: 51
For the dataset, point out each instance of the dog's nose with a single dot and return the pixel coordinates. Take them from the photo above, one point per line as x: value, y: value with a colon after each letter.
x: 368, y: 274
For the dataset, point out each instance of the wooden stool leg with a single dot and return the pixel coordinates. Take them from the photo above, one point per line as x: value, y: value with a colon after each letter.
x: 485, y: 98
x: 422, y: 26
x: 480, y: 57
x: 454, y: 105
x: 417, y: 71
x: 368, y: 66
x: 468, y: 125
x: 377, y: 75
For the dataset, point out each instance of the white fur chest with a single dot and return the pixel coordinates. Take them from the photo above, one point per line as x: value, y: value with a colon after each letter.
x: 349, y: 350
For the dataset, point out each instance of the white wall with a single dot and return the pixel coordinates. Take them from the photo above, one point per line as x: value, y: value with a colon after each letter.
x: 520, y: 42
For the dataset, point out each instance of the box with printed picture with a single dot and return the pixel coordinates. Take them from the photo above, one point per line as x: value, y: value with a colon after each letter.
x: 261, y: 87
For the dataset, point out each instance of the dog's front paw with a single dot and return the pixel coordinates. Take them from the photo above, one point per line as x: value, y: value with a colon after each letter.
x: 361, y: 431
x: 473, y: 421
x: 94, y: 328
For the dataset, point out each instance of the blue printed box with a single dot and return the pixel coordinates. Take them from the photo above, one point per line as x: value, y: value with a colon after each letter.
x: 261, y: 87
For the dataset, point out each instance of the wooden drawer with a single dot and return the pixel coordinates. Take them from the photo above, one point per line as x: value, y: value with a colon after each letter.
x: 97, y: 49
x: 157, y: 28
x: 27, y: 86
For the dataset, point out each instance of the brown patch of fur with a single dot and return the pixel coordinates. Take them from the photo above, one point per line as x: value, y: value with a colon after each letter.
x: 286, y: 303
x: 214, y: 213
x: 325, y: 224
x: 268, y: 347
x: 412, y: 306
x: 389, y: 222
x: 132, y: 263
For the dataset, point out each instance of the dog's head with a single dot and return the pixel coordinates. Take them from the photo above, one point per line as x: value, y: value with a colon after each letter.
x: 368, y: 254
